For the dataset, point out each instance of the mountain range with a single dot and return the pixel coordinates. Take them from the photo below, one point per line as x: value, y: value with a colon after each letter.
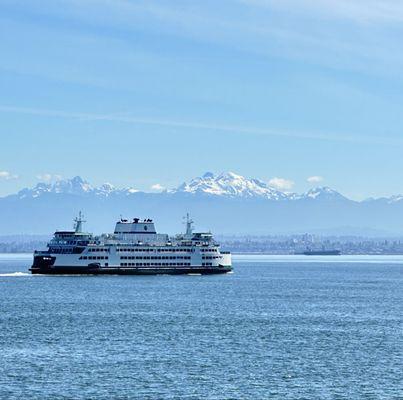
x: 227, y: 203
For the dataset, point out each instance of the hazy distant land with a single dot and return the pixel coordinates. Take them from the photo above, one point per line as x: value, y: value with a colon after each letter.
x: 228, y: 204
x: 281, y: 245
x: 246, y: 215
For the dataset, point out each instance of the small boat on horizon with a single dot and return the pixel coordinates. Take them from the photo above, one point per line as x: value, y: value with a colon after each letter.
x: 321, y: 253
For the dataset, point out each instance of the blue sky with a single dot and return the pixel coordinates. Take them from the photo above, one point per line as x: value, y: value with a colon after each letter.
x: 139, y: 93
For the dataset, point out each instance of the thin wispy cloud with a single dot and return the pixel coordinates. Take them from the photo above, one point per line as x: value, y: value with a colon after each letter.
x: 323, y: 42
x: 267, y: 27
x: 315, y: 179
x: 157, y: 186
x: 224, y: 128
x: 46, y: 177
x: 281, y: 183
x: 6, y: 175
x: 373, y: 11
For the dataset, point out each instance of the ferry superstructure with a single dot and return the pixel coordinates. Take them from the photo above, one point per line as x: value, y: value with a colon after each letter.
x: 135, y: 248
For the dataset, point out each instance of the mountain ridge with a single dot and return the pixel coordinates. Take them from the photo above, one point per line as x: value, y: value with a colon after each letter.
x: 224, y: 184
x: 226, y: 203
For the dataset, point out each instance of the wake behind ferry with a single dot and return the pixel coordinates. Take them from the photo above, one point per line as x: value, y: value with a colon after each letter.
x: 135, y: 248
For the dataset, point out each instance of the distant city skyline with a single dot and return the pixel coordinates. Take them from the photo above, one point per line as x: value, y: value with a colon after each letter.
x: 150, y: 94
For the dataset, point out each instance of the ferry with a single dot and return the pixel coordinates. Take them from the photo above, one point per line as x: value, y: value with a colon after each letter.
x: 134, y: 248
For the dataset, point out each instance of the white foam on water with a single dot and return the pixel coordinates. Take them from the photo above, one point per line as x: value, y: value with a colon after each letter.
x: 16, y: 274
x: 190, y: 274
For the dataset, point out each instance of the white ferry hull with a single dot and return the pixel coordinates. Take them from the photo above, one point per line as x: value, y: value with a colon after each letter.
x: 96, y: 270
x: 135, y: 248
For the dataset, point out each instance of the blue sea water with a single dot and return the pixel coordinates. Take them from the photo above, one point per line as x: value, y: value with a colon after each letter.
x: 277, y: 328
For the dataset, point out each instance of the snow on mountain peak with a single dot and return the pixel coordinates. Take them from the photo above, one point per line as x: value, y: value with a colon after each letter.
x: 395, y: 199
x: 321, y: 192
x: 107, y: 186
x: 105, y: 190
x: 76, y: 186
x: 225, y: 184
x: 229, y: 184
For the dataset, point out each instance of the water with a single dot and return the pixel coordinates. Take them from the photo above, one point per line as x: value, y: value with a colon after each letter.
x: 278, y: 328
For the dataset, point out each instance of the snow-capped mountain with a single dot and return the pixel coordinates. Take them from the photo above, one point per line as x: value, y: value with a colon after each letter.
x: 225, y: 203
x: 226, y: 184
x: 231, y: 185
x: 74, y: 186
x: 321, y: 193
x: 395, y: 199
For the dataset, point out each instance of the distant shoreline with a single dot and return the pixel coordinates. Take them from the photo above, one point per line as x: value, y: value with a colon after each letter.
x: 264, y: 245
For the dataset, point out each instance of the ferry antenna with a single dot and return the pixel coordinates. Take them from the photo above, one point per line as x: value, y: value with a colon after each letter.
x: 78, y: 222
x: 189, y: 225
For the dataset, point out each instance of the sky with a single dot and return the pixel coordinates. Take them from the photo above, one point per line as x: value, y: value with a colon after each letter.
x: 149, y: 94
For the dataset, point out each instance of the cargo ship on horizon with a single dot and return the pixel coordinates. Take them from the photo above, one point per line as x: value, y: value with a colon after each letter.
x: 320, y: 253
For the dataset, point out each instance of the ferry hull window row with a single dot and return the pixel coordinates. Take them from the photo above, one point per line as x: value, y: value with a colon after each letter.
x: 98, y: 249
x: 158, y: 250
x: 67, y: 250
x: 155, y: 258
x: 69, y: 242
x: 155, y: 264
